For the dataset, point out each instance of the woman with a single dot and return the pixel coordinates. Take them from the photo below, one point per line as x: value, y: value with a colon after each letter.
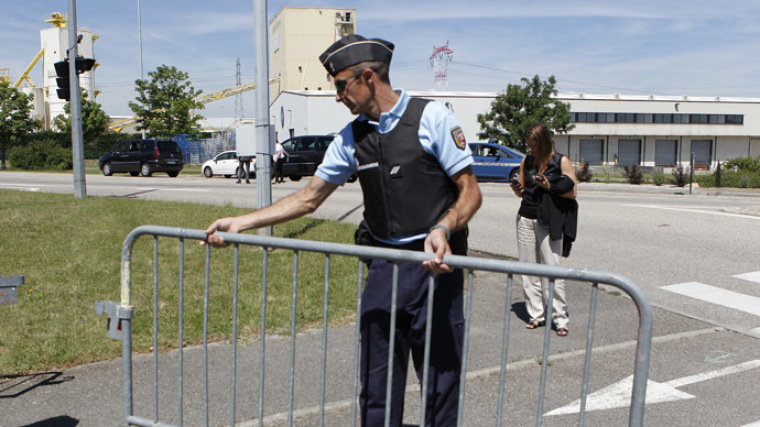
x: 546, y: 220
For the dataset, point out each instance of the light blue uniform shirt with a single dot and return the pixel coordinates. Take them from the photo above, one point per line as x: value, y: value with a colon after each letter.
x: 438, y: 134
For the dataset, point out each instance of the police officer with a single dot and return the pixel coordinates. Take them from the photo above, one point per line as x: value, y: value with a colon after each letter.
x: 419, y: 192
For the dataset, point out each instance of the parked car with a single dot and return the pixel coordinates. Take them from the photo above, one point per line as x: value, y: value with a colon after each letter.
x: 144, y: 157
x: 494, y: 162
x: 305, y: 153
x: 226, y: 163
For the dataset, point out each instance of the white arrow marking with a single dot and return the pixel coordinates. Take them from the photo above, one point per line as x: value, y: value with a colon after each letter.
x: 752, y: 277
x: 619, y: 395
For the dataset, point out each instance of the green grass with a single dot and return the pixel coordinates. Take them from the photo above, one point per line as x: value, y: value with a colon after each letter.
x: 69, y: 251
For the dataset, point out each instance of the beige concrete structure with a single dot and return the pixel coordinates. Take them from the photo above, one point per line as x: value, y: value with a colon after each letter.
x: 297, y: 36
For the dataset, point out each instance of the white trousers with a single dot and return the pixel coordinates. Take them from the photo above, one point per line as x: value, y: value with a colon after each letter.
x: 535, y: 245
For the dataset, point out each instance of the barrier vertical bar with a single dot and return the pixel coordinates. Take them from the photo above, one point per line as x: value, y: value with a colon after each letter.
x: 428, y: 338
x: 325, y: 311
x: 262, y: 362
x: 548, y: 314
x: 155, y: 330
x: 233, y: 380
x: 181, y: 316
x: 504, y: 350
x: 465, y: 348
x: 293, y: 324
x: 587, y: 363
x: 391, y: 347
x: 357, y: 341
x: 205, y: 334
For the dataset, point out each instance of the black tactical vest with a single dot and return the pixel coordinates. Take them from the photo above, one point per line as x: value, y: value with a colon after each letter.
x: 406, y: 191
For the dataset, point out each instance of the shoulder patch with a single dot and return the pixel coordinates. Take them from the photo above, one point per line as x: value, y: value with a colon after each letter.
x: 458, y: 136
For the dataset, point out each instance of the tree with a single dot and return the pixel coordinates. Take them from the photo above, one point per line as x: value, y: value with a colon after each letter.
x: 15, y: 118
x: 94, y: 119
x: 519, y: 107
x: 165, y: 102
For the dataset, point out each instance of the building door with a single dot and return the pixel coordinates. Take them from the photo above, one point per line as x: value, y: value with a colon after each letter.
x: 702, y: 149
x: 629, y: 152
x: 592, y: 151
x: 665, y: 152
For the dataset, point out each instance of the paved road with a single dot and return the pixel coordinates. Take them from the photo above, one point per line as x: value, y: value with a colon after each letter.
x: 695, y: 257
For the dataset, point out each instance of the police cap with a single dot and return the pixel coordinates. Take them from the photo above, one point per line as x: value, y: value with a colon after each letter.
x: 354, y: 49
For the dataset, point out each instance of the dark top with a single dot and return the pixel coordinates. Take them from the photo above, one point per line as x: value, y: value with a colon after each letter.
x: 559, y: 214
x: 531, y: 192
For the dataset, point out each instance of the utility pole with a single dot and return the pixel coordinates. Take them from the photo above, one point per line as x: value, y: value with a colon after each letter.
x: 77, y: 145
x: 264, y: 134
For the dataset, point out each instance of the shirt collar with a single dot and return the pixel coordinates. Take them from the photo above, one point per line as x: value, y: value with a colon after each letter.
x: 389, y: 119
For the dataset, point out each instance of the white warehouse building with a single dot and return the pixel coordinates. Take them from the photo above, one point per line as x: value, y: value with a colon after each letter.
x: 649, y: 131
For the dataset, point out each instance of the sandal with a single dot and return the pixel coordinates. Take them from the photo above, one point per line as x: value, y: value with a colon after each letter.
x: 562, y: 332
x: 534, y: 324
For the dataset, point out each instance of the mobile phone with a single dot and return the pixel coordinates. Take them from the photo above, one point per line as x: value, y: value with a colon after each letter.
x: 515, y: 181
x: 538, y: 178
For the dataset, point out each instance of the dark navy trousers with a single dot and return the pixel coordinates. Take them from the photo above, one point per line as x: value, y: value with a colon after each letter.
x: 411, y: 318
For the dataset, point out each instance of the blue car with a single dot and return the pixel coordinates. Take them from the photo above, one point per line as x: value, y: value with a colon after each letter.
x: 494, y: 162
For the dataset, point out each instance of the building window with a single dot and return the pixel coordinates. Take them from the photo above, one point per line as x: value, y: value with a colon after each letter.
x: 625, y: 117
x: 677, y: 118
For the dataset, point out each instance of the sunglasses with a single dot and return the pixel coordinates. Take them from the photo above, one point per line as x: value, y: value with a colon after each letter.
x: 342, y: 84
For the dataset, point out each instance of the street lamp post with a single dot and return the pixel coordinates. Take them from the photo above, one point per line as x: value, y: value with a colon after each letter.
x: 77, y: 146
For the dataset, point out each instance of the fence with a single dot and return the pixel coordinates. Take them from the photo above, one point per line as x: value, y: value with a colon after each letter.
x: 121, y: 317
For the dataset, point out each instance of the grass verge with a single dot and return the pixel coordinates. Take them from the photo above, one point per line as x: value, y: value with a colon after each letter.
x: 69, y: 251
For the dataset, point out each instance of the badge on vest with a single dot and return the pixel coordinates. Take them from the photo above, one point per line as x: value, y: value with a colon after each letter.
x: 458, y: 134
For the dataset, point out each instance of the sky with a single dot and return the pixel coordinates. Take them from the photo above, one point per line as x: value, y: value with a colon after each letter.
x: 672, y: 47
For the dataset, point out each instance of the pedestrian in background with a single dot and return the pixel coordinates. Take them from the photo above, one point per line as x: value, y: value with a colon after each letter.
x: 546, y: 223
x: 419, y: 193
x: 278, y: 159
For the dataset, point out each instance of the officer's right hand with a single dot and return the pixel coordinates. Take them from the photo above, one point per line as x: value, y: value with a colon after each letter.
x: 223, y: 224
x: 436, y: 243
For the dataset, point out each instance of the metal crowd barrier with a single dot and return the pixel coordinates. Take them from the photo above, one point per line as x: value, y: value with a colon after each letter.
x: 120, y: 320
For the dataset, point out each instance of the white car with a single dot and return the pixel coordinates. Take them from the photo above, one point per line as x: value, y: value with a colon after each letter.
x: 227, y: 164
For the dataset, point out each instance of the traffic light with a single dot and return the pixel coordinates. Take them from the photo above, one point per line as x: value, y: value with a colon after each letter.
x: 62, y: 79
x: 62, y: 74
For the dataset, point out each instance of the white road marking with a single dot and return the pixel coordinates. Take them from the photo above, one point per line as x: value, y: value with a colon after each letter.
x: 185, y: 190
x: 698, y: 210
x: 752, y: 277
x: 618, y: 395
x: 22, y: 187
x: 715, y: 295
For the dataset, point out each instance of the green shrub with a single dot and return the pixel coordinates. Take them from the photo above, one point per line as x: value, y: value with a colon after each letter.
x: 747, y: 164
x: 741, y: 179
x: 634, y: 175
x: 657, y: 178
x: 44, y: 154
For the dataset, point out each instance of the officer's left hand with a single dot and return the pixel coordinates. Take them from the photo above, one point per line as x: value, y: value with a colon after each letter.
x: 436, y: 243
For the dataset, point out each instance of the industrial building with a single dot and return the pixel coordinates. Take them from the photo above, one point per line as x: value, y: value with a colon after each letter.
x: 53, y: 48
x: 609, y: 129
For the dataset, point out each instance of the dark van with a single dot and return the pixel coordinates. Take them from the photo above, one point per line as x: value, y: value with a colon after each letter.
x: 143, y: 157
x: 305, y: 153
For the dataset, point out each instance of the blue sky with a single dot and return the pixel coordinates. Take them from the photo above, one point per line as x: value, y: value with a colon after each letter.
x: 676, y: 47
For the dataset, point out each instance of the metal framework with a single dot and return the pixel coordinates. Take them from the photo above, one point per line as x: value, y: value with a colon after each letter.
x: 439, y: 60
x: 121, y: 322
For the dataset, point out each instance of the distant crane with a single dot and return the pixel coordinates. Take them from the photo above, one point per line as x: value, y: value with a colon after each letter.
x: 439, y: 60
x: 203, y: 99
